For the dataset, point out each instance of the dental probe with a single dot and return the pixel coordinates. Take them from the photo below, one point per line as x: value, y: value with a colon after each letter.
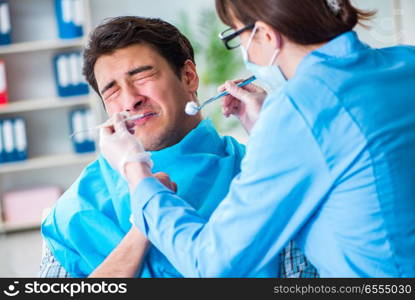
x: 103, y: 125
x: 192, y: 108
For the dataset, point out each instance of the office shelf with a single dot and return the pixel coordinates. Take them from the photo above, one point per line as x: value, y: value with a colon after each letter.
x: 41, y: 104
x: 11, y: 228
x: 40, y: 46
x: 43, y: 162
x: 31, y: 85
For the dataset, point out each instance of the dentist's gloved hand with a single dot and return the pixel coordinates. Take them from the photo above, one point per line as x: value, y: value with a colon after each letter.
x: 120, y: 147
x: 243, y: 102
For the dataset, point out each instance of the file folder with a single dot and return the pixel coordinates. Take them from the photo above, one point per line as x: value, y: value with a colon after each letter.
x: 13, y: 140
x: 3, y: 83
x: 68, y: 75
x: 5, y: 24
x: 2, y: 150
x: 20, y: 139
x: 70, y: 18
x: 23, y: 206
x: 9, y: 146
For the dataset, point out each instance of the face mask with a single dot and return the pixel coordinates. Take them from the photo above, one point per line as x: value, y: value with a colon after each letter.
x: 270, y: 75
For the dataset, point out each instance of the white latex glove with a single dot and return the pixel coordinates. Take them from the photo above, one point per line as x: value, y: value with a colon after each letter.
x: 119, y: 146
x: 243, y: 102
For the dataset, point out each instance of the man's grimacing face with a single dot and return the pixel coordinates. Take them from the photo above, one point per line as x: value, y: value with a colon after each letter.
x: 138, y: 80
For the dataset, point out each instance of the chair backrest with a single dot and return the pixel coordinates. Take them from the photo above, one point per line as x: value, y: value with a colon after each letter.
x: 45, y: 213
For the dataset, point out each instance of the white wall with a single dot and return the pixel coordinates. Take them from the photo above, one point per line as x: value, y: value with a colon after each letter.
x: 393, y: 24
x: 165, y: 9
x: 408, y: 21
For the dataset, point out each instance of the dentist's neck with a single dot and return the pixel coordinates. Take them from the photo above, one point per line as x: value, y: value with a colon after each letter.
x: 291, y: 56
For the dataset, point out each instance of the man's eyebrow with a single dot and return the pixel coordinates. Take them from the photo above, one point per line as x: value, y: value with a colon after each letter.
x: 139, y: 70
x: 129, y: 73
x: 107, y: 87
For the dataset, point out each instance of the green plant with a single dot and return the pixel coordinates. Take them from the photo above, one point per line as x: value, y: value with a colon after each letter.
x: 219, y: 63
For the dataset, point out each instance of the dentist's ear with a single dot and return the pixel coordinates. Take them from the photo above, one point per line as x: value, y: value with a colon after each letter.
x: 189, y: 76
x: 269, y: 35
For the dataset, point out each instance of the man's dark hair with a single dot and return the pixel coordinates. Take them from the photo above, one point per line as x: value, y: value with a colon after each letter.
x: 121, y: 32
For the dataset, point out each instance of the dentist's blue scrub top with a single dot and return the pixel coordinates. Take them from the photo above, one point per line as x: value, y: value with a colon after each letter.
x: 330, y: 163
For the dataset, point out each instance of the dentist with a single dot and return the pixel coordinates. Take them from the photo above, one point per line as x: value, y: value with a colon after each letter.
x: 331, y: 155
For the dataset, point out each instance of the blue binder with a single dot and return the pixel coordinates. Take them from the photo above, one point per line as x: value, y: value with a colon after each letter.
x: 80, y: 120
x: 2, y: 151
x: 20, y: 139
x: 8, y: 139
x: 69, y: 15
x: 5, y: 24
x: 68, y: 74
x: 13, y: 140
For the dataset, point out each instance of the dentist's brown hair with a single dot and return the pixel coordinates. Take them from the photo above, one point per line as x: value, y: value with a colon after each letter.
x: 304, y: 22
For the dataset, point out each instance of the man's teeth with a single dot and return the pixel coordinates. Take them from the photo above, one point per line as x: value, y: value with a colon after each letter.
x: 145, y: 115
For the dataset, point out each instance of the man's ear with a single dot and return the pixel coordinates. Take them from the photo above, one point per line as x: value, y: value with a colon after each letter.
x: 190, y: 77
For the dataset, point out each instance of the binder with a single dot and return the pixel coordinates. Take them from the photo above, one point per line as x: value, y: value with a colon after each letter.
x: 3, y: 83
x: 70, y: 18
x: 20, y: 139
x: 2, y: 151
x: 8, y: 139
x: 68, y: 74
x: 5, y: 25
x: 13, y: 140
x: 23, y: 206
x: 80, y: 120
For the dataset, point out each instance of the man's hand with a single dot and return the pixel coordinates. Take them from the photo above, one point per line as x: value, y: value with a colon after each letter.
x: 120, y: 147
x: 165, y: 179
x: 126, y: 259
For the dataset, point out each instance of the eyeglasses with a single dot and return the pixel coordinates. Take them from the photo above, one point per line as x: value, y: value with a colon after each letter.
x: 229, y: 36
